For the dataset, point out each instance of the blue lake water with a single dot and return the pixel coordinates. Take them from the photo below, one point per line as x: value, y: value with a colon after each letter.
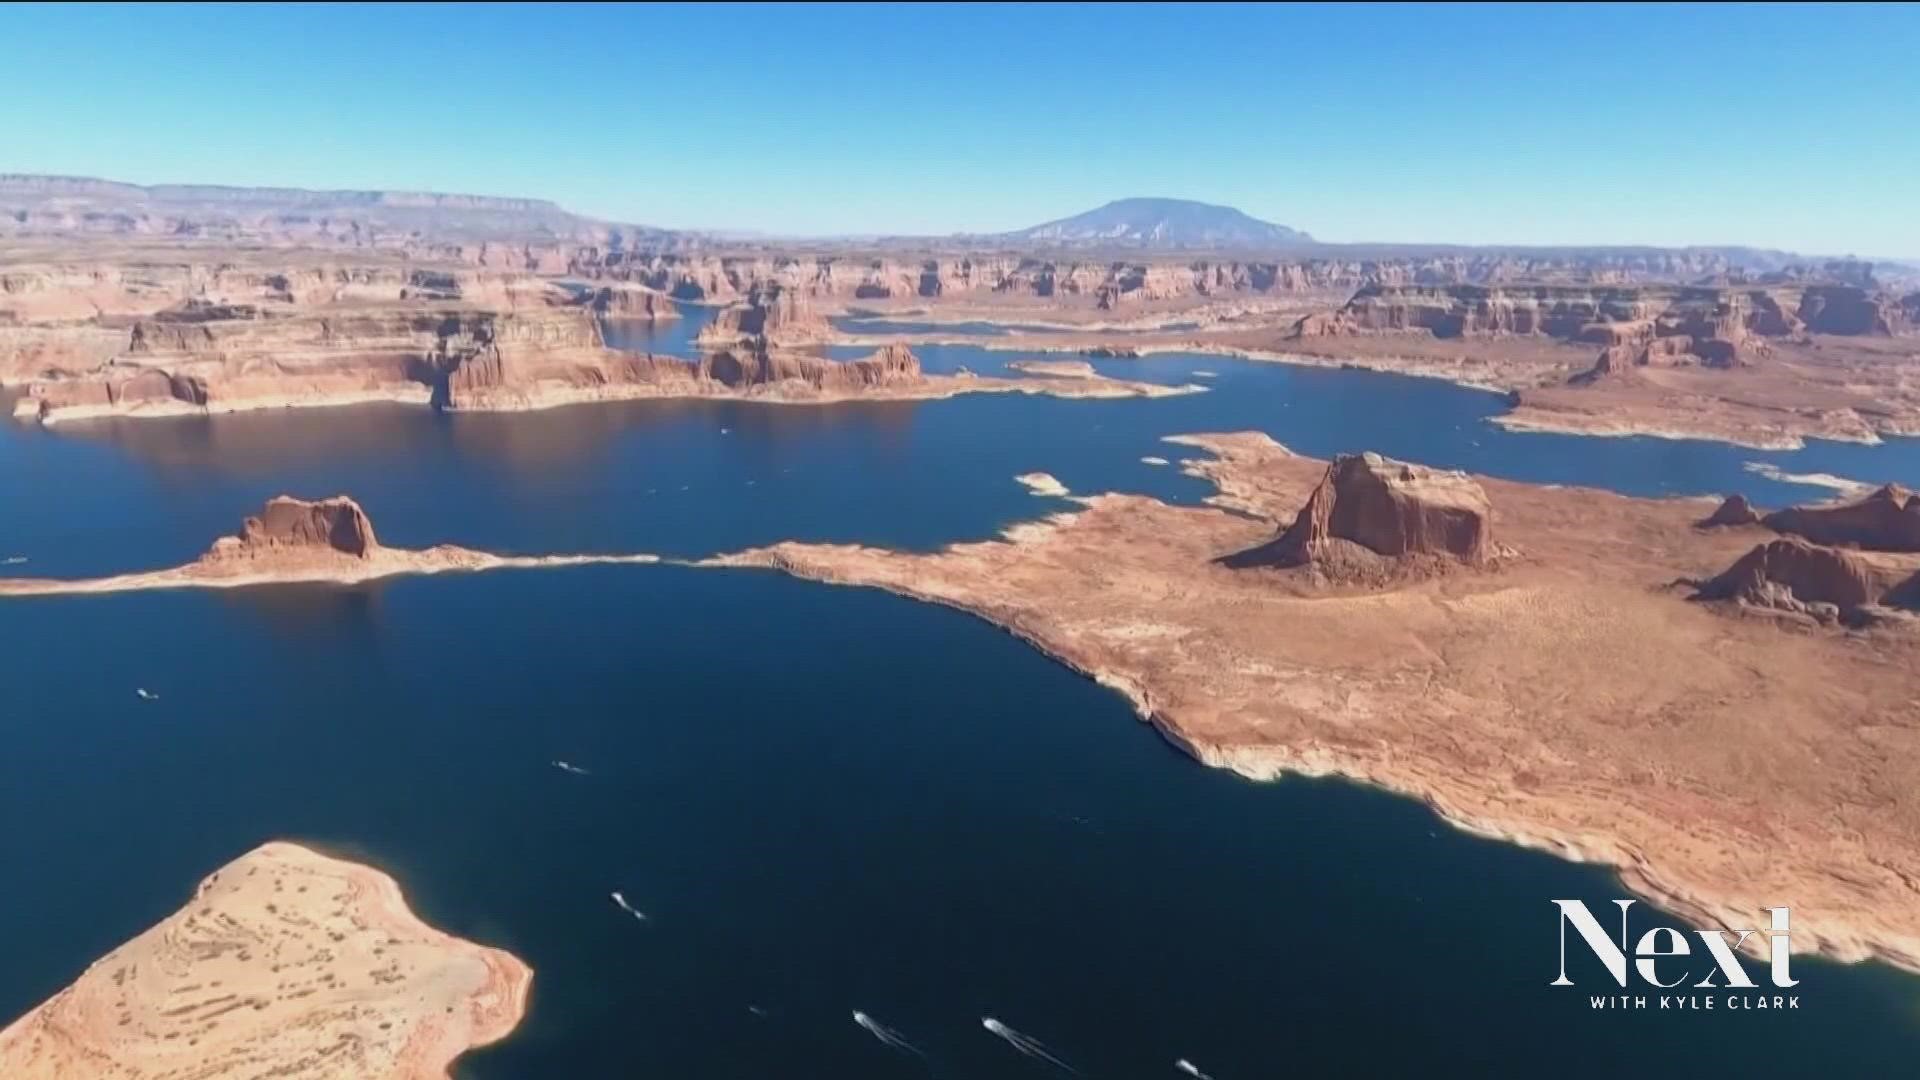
x: 825, y: 799
x: 668, y: 337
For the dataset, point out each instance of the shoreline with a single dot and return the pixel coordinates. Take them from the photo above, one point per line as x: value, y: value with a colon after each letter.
x: 936, y: 388
x: 1519, y: 419
x: 387, y: 563
x: 190, y: 995
x: 1528, y: 424
x: 1650, y: 833
x: 1630, y: 866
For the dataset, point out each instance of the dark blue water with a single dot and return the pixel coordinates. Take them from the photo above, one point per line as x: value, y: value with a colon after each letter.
x: 825, y: 799
x: 698, y: 477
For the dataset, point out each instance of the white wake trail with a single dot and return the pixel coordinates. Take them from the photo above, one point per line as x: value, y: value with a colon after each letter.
x: 1191, y: 1069
x: 886, y: 1035
x: 569, y: 767
x: 1026, y: 1044
x: 628, y: 908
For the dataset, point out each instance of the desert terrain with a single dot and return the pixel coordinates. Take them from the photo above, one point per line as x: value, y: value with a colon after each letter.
x: 284, y: 963
x: 124, y: 301
x: 1724, y: 713
x: 1715, y: 701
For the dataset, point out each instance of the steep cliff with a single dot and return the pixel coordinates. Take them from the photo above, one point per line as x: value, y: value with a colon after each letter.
x: 846, y: 276
x: 1367, y: 507
x: 290, y: 528
x: 620, y: 300
x: 233, y: 359
x: 768, y: 313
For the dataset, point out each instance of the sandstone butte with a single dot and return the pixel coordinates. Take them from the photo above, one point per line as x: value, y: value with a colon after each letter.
x: 1563, y: 668
x: 285, y: 963
x: 294, y: 540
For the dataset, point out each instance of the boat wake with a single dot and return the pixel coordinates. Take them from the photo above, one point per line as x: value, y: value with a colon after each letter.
x: 1191, y: 1069
x: 569, y: 767
x: 1026, y: 1044
x: 887, y: 1035
x: 621, y: 902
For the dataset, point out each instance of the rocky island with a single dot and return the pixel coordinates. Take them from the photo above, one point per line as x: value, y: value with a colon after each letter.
x: 294, y: 541
x: 285, y: 963
x: 1461, y: 640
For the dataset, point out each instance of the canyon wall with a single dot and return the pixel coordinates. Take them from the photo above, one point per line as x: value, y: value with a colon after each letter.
x: 207, y: 357
x: 1635, y: 325
x: 845, y: 277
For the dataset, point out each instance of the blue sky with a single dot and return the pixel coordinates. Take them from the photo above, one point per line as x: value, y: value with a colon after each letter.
x: 1776, y: 126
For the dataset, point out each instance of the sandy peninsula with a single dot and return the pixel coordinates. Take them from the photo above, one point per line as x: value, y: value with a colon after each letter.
x: 1525, y: 660
x: 295, y: 541
x: 286, y: 963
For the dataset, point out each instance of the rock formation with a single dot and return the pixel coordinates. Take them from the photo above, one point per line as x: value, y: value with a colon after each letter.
x: 1369, y: 505
x: 843, y: 276
x: 619, y: 300
x: 290, y: 527
x: 739, y: 369
x: 1734, y: 510
x: 1569, y: 702
x: 1852, y: 309
x: 293, y: 540
x: 1792, y: 576
x: 412, y: 221
x: 286, y: 963
x: 1636, y: 325
x: 1887, y: 520
x: 769, y: 313
x: 333, y: 356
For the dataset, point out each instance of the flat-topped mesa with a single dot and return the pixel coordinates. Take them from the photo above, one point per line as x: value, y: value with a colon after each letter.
x: 621, y: 300
x: 1887, y: 520
x: 1367, y: 506
x: 199, y: 359
x: 1110, y: 282
x: 891, y: 365
x: 1790, y: 576
x: 769, y: 313
x: 1852, y: 309
x: 1642, y: 325
x: 290, y: 528
x: 1733, y: 510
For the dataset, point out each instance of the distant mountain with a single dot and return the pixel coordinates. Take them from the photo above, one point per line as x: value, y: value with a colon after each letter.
x: 1161, y: 225
x: 54, y: 205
